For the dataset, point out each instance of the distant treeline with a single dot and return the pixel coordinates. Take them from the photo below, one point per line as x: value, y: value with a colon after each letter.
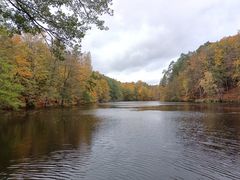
x: 210, y: 73
x: 36, y: 74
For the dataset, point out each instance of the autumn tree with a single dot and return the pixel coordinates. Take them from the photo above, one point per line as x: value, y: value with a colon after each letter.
x: 31, y: 76
x: 210, y: 71
x: 236, y: 74
x: 103, y: 90
x: 208, y: 84
x: 128, y: 90
x: 10, y: 90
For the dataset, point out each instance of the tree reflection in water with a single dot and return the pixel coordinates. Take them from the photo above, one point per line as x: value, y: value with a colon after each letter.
x: 38, y: 133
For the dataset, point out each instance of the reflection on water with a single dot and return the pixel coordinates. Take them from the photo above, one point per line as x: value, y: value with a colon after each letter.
x: 123, y: 140
x: 39, y: 133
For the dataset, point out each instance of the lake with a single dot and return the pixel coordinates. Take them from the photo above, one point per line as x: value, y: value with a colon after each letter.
x: 122, y: 140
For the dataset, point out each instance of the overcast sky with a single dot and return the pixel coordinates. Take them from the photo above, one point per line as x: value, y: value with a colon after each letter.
x: 144, y: 36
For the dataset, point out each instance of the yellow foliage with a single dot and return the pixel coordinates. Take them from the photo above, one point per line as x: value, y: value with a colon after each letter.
x: 218, y: 56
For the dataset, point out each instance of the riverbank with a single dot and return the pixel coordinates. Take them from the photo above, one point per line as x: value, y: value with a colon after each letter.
x: 231, y: 96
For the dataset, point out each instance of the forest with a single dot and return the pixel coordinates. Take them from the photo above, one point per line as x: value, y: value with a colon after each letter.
x: 38, y: 74
x: 41, y: 63
x: 209, y: 74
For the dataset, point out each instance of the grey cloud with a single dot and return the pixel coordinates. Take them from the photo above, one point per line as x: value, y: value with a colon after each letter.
x: 149, y: 34
x: 156, y: 51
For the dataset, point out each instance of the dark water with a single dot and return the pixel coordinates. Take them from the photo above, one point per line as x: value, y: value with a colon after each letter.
x: 128, y: 140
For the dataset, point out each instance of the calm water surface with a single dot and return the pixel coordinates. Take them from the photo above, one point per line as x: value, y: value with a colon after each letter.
x: 124, y: 140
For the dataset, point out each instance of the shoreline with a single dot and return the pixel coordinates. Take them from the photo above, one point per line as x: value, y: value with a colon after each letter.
x: 197, y: 101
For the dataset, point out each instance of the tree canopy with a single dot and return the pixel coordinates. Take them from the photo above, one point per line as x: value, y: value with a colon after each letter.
x: 210, y: 73
x: 30, y: 76
x: 64, y: 20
